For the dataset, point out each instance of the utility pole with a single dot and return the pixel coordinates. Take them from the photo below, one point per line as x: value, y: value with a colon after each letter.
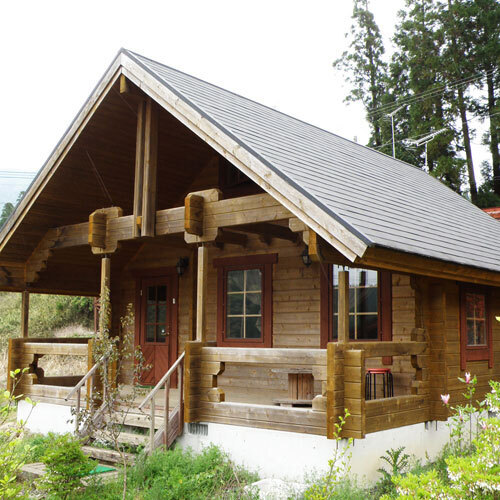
x: 425, y: 140
x: 391, y: 116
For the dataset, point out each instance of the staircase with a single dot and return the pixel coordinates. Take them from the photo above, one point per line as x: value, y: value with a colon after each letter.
x: 140, y: 423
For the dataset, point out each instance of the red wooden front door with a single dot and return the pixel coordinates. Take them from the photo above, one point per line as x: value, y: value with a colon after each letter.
x: 157, y: 334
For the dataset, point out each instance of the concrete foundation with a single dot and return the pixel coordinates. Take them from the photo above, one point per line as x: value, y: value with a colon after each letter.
x: 293, y: 456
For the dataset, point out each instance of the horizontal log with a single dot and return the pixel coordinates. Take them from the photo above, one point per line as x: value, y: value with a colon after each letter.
x: 400, y: 419
x: 55, y: 348
x: 393, y: 405
x: 267, y: 413
x: 266, y: 355
x: 380, y: 349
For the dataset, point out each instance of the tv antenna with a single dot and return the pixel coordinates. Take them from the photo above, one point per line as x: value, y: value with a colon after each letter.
x: 423, y: 141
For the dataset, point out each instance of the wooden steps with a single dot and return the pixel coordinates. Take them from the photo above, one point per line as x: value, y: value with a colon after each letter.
x: 107, y: 456
x: 135, y: 419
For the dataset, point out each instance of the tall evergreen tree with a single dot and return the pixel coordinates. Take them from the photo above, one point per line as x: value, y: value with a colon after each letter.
x: 364, y: 66
x: 457, y: 62
x: 482, y: 25
x: 416, y: 75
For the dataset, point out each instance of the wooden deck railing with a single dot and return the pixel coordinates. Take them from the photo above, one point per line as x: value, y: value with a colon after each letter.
x: 206, y: 401
x: 25, y: 353
x: 341, y: 369
x: 346, y: 388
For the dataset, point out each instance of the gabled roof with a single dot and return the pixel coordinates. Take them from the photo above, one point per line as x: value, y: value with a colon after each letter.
x: 353, y: 196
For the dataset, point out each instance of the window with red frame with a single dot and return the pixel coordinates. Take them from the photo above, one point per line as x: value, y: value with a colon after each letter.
x: 244, y: 300
x: 475, y: 326
x: 370, y: 304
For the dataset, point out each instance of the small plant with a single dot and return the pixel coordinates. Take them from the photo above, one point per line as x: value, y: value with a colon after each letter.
x: 398, y: 462
x: 339, y: 465
x: 461, y: 432
x: 66, y: 465
x: 12, y: 453
x: 103, y: 419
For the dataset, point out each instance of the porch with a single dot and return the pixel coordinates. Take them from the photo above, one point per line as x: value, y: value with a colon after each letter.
x: 209, y: 393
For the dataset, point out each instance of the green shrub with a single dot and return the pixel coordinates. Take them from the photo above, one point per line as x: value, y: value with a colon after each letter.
x: 66, y: 465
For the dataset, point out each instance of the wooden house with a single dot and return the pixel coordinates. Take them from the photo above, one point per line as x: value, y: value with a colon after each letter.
x: 275, y: 261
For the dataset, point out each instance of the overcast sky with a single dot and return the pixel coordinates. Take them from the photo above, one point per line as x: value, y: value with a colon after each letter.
x: 277, y: 52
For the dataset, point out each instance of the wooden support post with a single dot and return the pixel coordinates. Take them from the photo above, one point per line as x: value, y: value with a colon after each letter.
x: 201, y: 293
x: 334, y: 387
x: 25, y: 313
x: 343, y: 318
x: 148, y: 218
x: 139, y: 168
x: 193, y: 214
x: 105, y: 311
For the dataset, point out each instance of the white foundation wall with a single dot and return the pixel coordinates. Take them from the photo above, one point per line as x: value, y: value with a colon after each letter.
x: 46, y: 417
x: 293, y: 456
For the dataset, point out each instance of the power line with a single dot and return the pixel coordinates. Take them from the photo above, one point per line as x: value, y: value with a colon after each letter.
x: 429, y: 93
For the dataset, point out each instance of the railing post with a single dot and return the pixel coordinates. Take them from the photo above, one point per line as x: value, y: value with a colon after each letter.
x: 334, y: 386
x: 77, y: 410
x: 343, y: 301
x: 152, y: 426
x: 166, y: 418
x: 354, y: 392
x: 180, y: 373
x: 25, y: 313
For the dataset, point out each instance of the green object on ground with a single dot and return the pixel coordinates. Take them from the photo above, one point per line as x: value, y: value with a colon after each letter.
x: 100, y: 469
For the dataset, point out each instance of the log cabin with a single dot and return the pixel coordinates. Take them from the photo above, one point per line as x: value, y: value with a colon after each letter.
x: 283, y: 272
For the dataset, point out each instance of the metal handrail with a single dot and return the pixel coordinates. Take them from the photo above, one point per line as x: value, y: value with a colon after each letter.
x: 161, y: 383
x: 83, y: 380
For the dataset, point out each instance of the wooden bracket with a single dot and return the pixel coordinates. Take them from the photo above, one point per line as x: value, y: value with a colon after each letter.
x: 231, y: 238
x: 99, y: 238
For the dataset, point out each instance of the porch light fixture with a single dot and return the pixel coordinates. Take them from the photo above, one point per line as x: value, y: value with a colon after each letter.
x: 306, y: 259
x: 181, y: 265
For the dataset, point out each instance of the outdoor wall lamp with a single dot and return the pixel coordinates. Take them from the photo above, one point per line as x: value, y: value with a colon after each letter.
x: 306, y: 259
x: 181, y: 265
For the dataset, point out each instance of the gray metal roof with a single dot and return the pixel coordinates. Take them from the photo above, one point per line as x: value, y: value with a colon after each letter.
x: 385, y: 202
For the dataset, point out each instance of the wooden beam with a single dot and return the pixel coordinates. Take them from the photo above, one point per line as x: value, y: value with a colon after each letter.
x: 225, y: 236
x: 343, y: 301
x: 201, y: 294
x: 269, y: 230
x: 139, y: 168
x: 97, y: 229
x: 193, y: 214
x: 150, y: 168
x: 25, y: 313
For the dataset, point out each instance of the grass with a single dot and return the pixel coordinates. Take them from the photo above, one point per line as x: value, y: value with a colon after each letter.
x: 176, y: 475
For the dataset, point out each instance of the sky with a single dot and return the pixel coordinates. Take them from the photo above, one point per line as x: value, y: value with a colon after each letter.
x: 277, y: 52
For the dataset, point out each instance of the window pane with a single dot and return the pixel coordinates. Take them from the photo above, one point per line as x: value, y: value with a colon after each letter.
x: 335, y: 297
x: 162, y: 293
x: 469, y: 305
x: 352, y: 300
x: 235, y: 303
x: 150, y: 333
x: 162, y: 314
x: 352, y: 333
x: 235, y: 281
x: 479, y: 306
x: 151, y: 294
x: 151, y: 313
x: 335, y: 326
x: 254, y: 280
x: 470, y: 332
x: 161, y: 333
x: 253, y: 328
x: 367, y: 299
x: 480, y: 332
x: 234, y: 328
x: 367, y: 327
x: 253, y: 303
